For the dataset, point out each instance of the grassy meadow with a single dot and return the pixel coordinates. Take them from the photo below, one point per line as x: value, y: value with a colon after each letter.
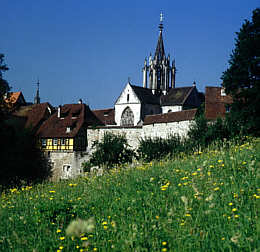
x: 207, y: 201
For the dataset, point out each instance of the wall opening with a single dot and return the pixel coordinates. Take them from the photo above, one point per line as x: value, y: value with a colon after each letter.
x: 127, y: 118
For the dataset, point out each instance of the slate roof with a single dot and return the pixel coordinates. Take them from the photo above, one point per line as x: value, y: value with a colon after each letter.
x: 35, y: 114
x: 176, y: 96
x: 185, y: 115
x: 215, y: 103
x: 106, y: 116
x: 72, y: 116
x: 145, y: 95
x: 159, y: 52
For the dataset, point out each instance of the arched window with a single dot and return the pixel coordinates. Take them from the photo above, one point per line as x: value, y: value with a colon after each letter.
x: 169, y: 110
x: 127, y: 118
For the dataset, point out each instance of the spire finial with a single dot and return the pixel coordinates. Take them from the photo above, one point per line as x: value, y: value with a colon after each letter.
x: 37, y: 97
x: 161, y: 22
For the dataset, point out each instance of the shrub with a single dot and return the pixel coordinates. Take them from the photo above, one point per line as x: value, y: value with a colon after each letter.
x: 112, y: 150
x: 158, y: 148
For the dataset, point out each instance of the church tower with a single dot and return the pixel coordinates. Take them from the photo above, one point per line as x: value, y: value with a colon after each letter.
x: 161, y: 75
x: 37, y: 96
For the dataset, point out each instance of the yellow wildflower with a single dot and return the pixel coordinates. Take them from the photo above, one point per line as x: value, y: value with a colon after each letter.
x: 164, y: 243
x: 84, y: 238
x: 58, y: 231
x: 230, y: 204
x: 234, y: 210
x: 62, y: 238
x: 157, y: 217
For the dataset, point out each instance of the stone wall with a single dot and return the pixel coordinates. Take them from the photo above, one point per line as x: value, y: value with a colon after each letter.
x: 133, y: 134
x: 68, y: 164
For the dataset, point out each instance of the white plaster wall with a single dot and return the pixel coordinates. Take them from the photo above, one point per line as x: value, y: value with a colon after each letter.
x: 132, y: 135
x: 165, y: 109
x: 164, y: 130
x: 136, y: 108
x: 133, y: 103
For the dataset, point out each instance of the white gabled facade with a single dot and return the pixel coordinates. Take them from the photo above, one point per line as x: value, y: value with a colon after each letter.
x: 128, y: 108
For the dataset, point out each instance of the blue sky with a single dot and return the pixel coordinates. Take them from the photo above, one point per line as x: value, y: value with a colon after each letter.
x: 88, y: 49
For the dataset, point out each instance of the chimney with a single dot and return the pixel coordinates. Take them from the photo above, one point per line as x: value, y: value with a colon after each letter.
x: 59, y: 110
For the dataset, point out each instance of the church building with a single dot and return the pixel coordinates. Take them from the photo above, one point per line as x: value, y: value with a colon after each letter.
x: 158, y: 94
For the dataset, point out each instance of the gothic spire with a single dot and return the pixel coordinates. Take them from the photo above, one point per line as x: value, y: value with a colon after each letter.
x: 37, y: 96
x: 159, y: 52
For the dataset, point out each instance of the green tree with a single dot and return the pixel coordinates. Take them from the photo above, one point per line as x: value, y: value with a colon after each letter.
x: 4, y: 87
x: 112, y: 150
x: 21, y: 159
x: 242, y: 78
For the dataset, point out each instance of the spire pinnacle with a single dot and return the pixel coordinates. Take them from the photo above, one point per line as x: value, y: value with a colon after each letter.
x: 161, y: 22
x: 37, y: 97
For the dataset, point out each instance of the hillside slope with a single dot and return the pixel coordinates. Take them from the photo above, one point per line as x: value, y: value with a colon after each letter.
x: 205, y: 202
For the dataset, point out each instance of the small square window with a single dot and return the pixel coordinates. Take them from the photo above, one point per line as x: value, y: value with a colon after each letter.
x: 44, y: 142
x: 63, y: 141
x: 55, y: 141
x: 227, y: 108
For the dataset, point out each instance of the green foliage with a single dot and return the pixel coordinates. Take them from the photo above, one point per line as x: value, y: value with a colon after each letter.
x: 242, y: 78
x: 158, y: 148
x: 4, y: 87
x: 21, y: 159
x: 203, y: 202
x: 112, y: 150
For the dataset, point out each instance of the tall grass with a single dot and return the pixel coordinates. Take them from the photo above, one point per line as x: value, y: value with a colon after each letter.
x: 202, y: 202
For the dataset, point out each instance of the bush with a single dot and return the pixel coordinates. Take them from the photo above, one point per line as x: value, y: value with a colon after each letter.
x: 112, y: 150
x: 158, y: 148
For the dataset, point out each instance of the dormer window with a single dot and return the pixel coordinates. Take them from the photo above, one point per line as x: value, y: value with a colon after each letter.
x: 68, y: 129
x: 223, y: 93
x: 105, y: 113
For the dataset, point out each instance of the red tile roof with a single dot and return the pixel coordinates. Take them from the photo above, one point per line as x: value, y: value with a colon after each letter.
x: 14, y: 98
x: 215, y: 102
x: 106, y: 116
x: 185, y: 115
x: 35, y: 114
x: 72, y: 118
